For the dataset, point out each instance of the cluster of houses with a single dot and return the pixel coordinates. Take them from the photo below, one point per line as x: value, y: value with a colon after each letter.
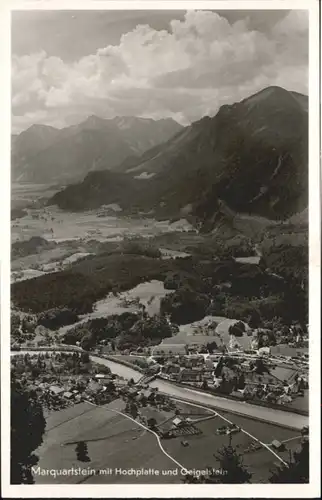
x: 275, y: 381
x: 158, y: 412
x: 60, y: 393
x: 57, y: 383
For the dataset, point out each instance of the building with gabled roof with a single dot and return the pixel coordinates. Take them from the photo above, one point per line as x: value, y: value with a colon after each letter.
x: 177, y: 422
x: 55, y: 389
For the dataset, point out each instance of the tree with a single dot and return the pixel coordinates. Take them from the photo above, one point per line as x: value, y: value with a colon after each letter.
x: 237, y: 329
x: 85, y: 357
x: 110, y: 386
x: 260, y: 367
x: 152, y: 423
x: 296, y: 469
x: 27, y: 428
x: 219, y: 367
x: 185, y: 305
x: 82, y: 452
x: 211, y: 347
x: 241, y: 381
x: 231, y: 462
x: 204, y: 385
x: 132, y: 409
x: 87, y: 342
x: 254, y: 320
x: 55, y: 318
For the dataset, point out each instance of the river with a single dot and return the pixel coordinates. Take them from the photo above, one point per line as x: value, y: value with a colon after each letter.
x: 270, y: 415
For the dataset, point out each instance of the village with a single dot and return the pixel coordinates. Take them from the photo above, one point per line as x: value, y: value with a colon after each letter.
x: 60, y: 380
x: 229, y: 360
x: 246, y: 376
x: 224, y: 364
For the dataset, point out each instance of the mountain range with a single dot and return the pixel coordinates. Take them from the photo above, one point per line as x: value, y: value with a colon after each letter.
x: 44, y: 154
x: 252, y: 157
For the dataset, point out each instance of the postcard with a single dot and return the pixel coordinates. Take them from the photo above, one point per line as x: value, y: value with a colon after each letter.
x: 160, y: 253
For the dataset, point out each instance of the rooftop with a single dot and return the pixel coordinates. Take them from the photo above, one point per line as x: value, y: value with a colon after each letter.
x: 286, y: 350
x: 55, y: 389
x: 177, y: 421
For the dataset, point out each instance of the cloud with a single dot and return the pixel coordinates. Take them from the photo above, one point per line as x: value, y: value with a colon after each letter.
x: 202, y: 62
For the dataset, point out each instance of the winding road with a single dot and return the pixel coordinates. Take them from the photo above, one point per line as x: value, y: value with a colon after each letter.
x: 170, y: 456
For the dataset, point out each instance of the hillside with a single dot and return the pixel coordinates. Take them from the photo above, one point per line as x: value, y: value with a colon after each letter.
x: 249, y: 157
x: 43, y: 154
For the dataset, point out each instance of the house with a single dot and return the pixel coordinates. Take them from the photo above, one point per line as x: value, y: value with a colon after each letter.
x: 102, y: 376
x: 43, y: 386
x: 106, y: 349
x: 68, y: 395
x: 178, y: 422
x: 209, y: 363
x: 33, y: 388
x: 133, y: 391
x: 93, y: 386
x: 284, y: 399
x: 54, y: 389
x: 187, y: 375
x: 254, y: 344
x: 140, y: 398
x: 120, y: 383
x: 146, y: 395
x: 252, y: 377
x: 264, y: 351
x: 277, y: 445
x: 169, y: 368
x: 207, y: 375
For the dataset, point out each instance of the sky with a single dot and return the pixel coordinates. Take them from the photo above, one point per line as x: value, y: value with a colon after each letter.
x: 67, y: 65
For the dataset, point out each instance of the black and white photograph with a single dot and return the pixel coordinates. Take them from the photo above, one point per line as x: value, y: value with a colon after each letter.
x: 159, y: 251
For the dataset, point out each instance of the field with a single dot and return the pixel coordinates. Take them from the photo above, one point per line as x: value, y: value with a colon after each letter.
x: 57, y: 225
x: 114, y: 441
x: 25, y: 194
x: 200, y: 452
x: 149, y: 294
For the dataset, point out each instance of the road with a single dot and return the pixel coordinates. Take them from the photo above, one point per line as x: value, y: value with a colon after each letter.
x: 278, y: 417
x: 265, y: 414
x: 148, y: 430
x: 170, y: 456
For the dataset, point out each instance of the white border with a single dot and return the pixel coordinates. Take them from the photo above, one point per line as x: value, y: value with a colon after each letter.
x: 311, y: 490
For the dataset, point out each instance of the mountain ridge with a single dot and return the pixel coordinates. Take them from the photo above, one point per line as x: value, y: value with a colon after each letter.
x: 46, y: 154
x: 250, y: 155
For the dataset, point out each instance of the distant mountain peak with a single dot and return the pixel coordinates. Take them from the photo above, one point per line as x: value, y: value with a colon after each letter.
x: 45, y: 154
x: 273, y: 95
x: 40, y: 127
x: 93, y: 121
x: 252, y: 155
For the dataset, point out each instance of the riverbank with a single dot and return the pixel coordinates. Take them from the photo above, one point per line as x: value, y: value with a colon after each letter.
x: 266, y: 414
